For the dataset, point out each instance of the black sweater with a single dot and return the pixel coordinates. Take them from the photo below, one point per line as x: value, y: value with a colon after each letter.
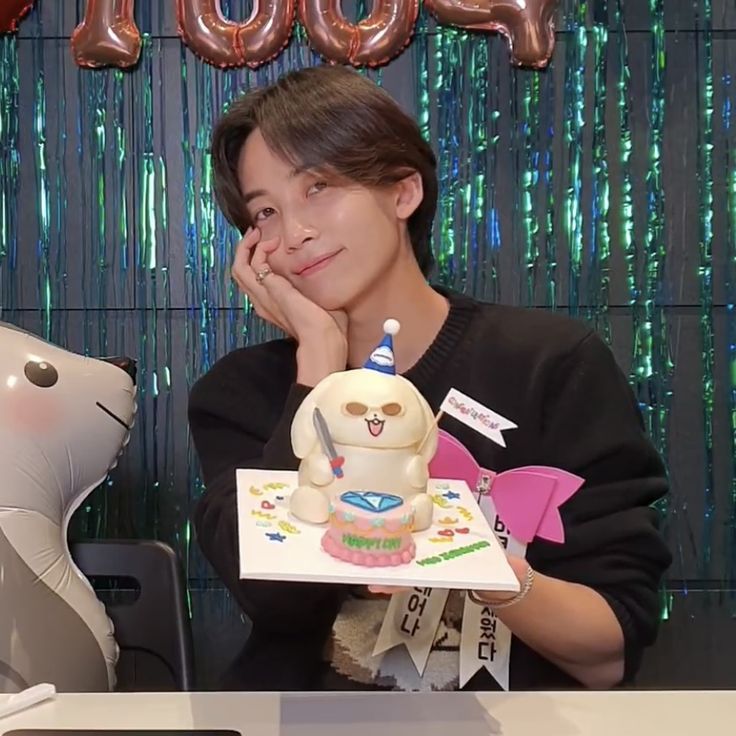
x: 574, y: 409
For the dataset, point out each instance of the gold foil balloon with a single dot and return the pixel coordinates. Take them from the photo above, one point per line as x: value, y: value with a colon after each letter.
x: 224, y: 43
x: 371, y: 42
x: 108, y: 35
x: 528, y: 24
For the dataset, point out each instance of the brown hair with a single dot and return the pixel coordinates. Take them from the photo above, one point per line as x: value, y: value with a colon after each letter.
x: 333, y: 119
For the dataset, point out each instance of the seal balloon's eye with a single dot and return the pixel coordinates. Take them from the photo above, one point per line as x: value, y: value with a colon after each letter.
x: 392, y: 410
x: 41, y: 374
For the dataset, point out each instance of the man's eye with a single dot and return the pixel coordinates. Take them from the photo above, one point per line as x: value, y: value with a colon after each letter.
x: 264, y: 214
x: 317, y: 187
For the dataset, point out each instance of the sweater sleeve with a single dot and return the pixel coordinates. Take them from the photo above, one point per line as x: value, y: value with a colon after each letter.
x: 228, y: 417
x: 592, y: 427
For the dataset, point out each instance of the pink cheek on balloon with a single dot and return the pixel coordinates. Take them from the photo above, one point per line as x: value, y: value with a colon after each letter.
x: 27, y: 412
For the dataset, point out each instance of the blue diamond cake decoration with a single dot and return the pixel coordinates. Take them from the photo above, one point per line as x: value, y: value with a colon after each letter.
x: 372, y: 501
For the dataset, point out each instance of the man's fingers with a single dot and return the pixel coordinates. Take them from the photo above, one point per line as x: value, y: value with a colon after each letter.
x: 259, y: 254
x: 246, y: 264
x: 276, y: 286
x: 249, y: 261
x: 241, y: 268
x: 249, y: 240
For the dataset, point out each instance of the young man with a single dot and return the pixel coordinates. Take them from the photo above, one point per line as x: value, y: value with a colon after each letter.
x: 335, y: 191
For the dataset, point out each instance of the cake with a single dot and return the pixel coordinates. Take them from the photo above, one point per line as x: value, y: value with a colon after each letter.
x: 370, y: 529
x: 365, y: 438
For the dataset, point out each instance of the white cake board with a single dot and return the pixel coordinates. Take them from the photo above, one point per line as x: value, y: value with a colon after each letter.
x: 274, y: 545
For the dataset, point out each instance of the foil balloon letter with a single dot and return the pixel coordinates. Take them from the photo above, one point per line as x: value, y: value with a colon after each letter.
x: 223, y: 43
x: 373, y: 41
x: 11, y: 14
x: 64, y: 419
x: 528, y: 24
x: 108, y: 35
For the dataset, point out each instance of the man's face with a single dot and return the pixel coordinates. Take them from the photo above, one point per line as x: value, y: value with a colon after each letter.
x: 336, y: 240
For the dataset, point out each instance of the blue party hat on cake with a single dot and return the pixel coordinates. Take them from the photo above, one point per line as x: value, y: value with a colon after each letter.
x: 382, y: 357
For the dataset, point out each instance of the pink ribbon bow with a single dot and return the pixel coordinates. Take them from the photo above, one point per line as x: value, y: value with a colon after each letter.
x: 527, y: 499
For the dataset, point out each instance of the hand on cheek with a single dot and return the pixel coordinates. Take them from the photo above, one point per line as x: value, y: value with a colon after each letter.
x: 322, y: 335
x: 245, y: 270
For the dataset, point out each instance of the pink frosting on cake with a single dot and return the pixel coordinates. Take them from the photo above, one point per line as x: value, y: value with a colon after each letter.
x: 370, y: 537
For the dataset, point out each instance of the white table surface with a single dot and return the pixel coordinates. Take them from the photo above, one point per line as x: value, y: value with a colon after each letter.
x: 393, y: 714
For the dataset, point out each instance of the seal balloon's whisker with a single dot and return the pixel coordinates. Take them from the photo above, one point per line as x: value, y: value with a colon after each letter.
x: 112, y: 415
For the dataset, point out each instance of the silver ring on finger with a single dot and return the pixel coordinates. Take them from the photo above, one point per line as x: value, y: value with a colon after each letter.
x: 261, y: 275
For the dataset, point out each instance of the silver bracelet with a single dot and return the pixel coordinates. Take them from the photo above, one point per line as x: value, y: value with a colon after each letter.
x: 525, y: 588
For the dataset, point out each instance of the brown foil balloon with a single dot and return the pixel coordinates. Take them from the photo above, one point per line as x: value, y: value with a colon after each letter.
x: 108, y: 35
x: 385, y: 32
x: 11, y: 13
x: 267, y: 31
x: 330, y: 34
x: 528, y: 24
x: 223, y: 43
x: 371, y: 42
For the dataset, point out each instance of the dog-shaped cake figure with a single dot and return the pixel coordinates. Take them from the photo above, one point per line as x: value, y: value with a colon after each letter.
x: 372, y: 431
x: 64, y: 420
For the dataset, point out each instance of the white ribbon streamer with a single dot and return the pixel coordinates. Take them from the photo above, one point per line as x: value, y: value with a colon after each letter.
x: 485, y: 641
x: 412, y: 619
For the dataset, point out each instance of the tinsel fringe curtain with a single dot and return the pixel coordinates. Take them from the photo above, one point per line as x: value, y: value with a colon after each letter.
x: 604, y: 187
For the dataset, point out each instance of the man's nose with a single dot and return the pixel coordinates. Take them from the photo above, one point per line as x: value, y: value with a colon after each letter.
x: 297, y: 233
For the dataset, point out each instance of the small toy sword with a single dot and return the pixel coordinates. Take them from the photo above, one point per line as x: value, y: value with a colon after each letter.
x: 323, y: 434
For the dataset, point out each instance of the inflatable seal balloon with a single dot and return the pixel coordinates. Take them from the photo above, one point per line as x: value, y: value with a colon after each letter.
x: 64, y: 421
